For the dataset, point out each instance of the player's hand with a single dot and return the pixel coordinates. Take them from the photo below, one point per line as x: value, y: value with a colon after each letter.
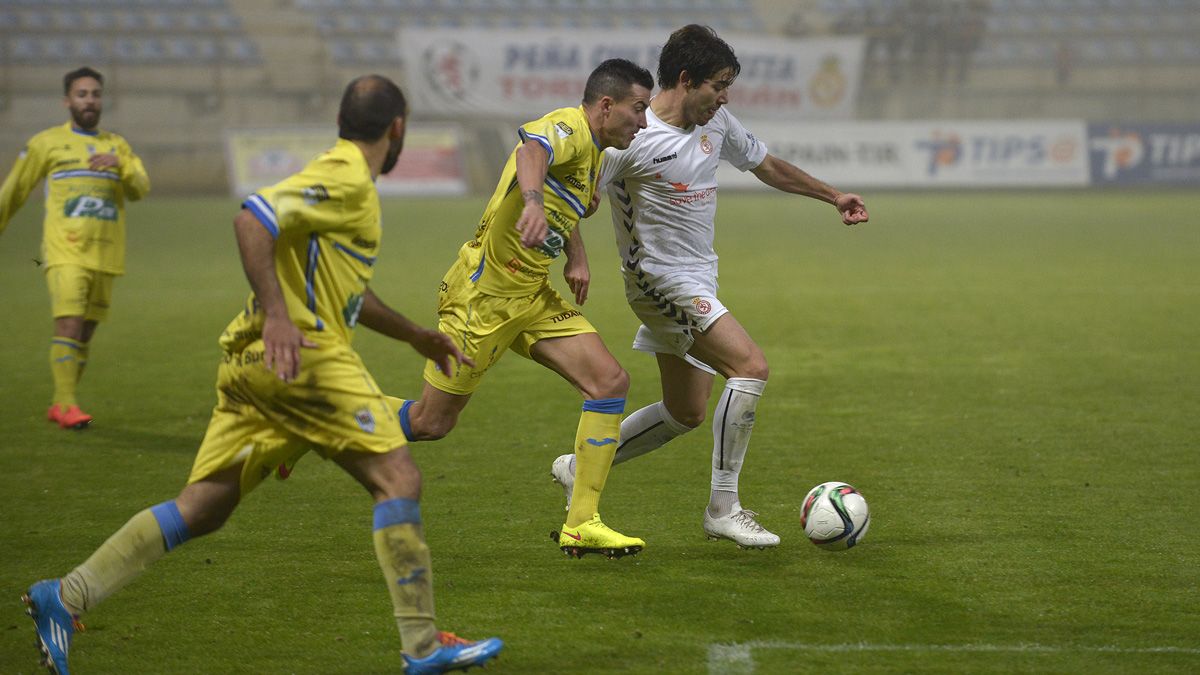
x: 97, y: 162
x: 282, y: 342
x: 532, y: 225
x: 852, y: 208
x: 579, y: 277
x: 439, y: 348
x: 594, y: 205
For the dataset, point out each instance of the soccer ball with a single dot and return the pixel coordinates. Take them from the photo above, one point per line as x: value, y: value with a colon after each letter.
x: 834, y: 516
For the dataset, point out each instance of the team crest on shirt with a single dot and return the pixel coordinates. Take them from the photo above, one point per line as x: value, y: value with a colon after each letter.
x: 706, y: 145
x: 702, y: 306
x: 314, y: 194
x: 366, y: 421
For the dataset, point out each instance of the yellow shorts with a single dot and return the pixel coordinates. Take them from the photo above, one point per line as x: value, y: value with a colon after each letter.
x: 332, y: 406
x: 79, y: 291
x: 484, y: 326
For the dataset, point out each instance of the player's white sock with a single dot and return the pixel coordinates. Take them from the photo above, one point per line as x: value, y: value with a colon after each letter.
x: 647, y: 429
x: 733, y: 420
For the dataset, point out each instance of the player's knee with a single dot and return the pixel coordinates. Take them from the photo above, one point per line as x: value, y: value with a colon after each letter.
x: 207, y: 520
x: 399, y: 478
x: 612, y: 384
x: 755, y: 367
x: 431, y: 426
x: 690, y: 418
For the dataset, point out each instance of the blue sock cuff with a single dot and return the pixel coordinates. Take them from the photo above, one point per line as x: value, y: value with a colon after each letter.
x: 170, y: 521
x: 611, y: 406
x: 405, y: 423
x: 397, y: 512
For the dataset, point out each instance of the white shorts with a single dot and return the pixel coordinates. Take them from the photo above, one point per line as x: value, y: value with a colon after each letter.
x: 672, y: 309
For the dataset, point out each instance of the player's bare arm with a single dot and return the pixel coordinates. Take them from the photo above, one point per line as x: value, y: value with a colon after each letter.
x: 576, y: 271
x: 282, y: 340
x: 532, y: 160
x: 787, y: 177
x: 435, y: 346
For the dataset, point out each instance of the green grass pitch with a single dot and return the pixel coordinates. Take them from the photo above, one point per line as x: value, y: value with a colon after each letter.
x: 1011, y: 379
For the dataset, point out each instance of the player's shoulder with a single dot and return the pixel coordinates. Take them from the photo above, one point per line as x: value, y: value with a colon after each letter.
x: 342, y: 167
x: 565, y: 123
x: 51, y: 136
x: 106, y: 136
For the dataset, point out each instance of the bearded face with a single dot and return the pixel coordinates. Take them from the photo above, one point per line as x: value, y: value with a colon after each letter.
x: 84, y: 102
x: 393, y: 154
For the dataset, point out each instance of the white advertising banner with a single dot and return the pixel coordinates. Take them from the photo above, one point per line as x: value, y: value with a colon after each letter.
x: 525, y: 74
x: 1026, y: 153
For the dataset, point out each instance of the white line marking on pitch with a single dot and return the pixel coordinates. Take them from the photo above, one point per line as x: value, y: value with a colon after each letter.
x: 738, y: 658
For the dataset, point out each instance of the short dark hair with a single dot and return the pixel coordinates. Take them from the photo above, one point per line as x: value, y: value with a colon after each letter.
x: 369, y: 105
x: 615, y: 77
x: 699, y: 51
x: 70, y: 77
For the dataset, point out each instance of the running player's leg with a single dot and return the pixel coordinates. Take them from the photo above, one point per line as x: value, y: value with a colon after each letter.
x: 56, y: 604
x: 69, y: 287
x: 431, y: 417
x: 728, y: 348
x: 584, y: 361
x: 685, y: 390
x: 394, y: 482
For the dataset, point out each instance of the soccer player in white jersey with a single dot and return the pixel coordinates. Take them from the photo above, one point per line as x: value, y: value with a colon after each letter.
x: 663, y: 194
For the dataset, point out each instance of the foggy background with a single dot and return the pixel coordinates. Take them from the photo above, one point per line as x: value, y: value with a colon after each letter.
x: 179, y: 73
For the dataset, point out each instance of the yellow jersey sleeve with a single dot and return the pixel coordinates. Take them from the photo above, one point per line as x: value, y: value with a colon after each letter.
x: 505, y: 267
x: 134, y: 179
x: 27, y: 171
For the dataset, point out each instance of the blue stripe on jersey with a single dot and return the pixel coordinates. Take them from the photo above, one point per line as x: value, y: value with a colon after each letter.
x: 263, y: 211
x: 526, y: 135
x: 612, y: 406
x: 84, y: 173
x: 366, y: 259
x: 310, y: 273
x: 85, y: 132
x: 562, y: 191
x: 479, y: 270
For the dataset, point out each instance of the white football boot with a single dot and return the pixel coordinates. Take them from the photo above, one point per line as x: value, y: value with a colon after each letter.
x: 563, y: 473
x: 741, y: 528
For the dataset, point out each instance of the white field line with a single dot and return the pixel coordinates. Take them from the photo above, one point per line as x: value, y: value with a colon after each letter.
x: 738, y: 658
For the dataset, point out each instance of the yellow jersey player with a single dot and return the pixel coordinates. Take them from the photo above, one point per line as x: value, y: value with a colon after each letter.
x: 497, y: 295
x: 89, y: 173
x: 289, y: 381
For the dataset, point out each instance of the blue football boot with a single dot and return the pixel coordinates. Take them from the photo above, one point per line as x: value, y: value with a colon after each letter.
x: 454, y: 654
x: 55, y: 625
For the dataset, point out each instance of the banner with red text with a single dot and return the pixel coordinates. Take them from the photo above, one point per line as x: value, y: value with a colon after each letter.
x: 525, y: 74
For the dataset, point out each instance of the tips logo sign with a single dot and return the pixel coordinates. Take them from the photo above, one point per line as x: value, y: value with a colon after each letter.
x: 945, y: 150
x: 1117, y: 151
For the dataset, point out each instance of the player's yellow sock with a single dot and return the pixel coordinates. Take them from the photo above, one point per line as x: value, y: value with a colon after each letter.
x: 64, y: 367
x: 82, y: 357
x: 595, y: 444
x: 145, y: 538
x: 407, y: 567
